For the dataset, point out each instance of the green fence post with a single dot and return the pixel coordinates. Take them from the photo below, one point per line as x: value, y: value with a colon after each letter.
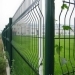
x: 10, y: 39
x: 49, y: 38
x: 6, y: 37
x: 3, y: 35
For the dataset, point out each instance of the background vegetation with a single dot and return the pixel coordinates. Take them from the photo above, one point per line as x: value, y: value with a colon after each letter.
x: 2, y: 60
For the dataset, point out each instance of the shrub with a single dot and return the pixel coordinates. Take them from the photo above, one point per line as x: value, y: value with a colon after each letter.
x: 2, y: 65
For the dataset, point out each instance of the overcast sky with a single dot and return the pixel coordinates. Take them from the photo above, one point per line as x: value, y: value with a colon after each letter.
x: 69, y: 16
x: 9, y: 7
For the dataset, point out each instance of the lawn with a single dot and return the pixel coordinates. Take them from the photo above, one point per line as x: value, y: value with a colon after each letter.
x: 20, y: 66
x: 66, y: 57
x: 28, y: 47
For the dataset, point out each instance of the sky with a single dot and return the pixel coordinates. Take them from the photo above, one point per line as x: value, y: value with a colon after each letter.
x: 69, y: 16
x: 7, y: 10
x: 9, y: 7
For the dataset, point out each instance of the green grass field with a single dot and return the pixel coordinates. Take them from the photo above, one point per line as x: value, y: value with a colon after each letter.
x: 28, y: 47
x: 68, y: 54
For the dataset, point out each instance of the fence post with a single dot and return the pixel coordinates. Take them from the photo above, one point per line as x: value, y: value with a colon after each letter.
x: 49, y: 38
x: 5, y: 37
x: 10, y: 39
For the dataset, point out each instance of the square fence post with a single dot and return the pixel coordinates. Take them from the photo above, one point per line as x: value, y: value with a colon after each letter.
x: 49, y: 38
x: 10, y: 40
x: 3, y: 35
x: 6, y: 38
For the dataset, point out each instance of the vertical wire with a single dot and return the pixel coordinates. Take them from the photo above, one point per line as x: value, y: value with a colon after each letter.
x: 64, y: 30
x: 38, y: 35
x: 65, y: 37
x: 25, y: 48
x: 74, y: 41
x: 43, y: 27
x: 36, y: 39
x: 34, y: 33
x: 38, y: 29
x: 29, y: 20
x: 59, y: 40
x: 74, y: 32
x: 30, y: 37
x: 31, y: 34
x: 27, y: 37
x: 69, y: 38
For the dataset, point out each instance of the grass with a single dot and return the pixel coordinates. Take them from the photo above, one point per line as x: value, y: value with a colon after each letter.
x: 2, y: 61
x: 66, y: 54
x: 28, y: 47
x: 20, y: 66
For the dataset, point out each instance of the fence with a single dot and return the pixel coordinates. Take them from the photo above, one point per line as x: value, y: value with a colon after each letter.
x: 24, y: 39
x: 29, y: 41
x: 64, y: 43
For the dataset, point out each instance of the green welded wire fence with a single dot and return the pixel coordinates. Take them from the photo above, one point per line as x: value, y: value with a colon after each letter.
x: 30, y: 43
x: 27, y: 39
x: 65, y: 40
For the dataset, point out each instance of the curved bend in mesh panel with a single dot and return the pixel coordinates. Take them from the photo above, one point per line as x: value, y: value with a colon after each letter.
x: 28, y: 31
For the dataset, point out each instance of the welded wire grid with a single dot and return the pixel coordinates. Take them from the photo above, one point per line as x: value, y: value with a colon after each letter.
x: 65, y: 41
x: 28, y: 38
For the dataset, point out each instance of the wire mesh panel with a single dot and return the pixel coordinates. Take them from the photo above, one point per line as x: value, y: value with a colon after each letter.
x: 65, y: 39
x: 28, y: 31
x: 25, y: 4
x: 29, y: 38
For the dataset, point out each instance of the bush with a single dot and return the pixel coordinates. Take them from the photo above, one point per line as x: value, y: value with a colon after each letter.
x: 2, y: 65
x: 7, y: 55
x: 2, y: 60
x: 1, y: 54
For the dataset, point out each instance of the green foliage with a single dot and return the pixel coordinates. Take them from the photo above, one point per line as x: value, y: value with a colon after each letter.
x: 67, y: 27
x: 2, y: 65
x: 64, y: 6
x: 2, y: 60
x: 12, y: 68
x: 7, y: 55
x: 58, y: 48
x: 1, y: 54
